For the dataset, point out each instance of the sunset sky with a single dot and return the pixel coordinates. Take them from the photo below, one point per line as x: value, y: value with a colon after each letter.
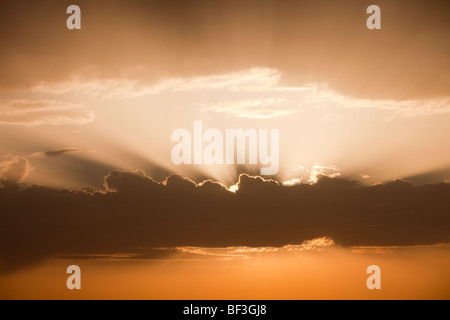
x: 366, y: 111
x: 367, y: 102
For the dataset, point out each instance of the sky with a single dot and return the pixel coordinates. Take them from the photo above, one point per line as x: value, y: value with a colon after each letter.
x: 370, y: 103
x: 87, y: 116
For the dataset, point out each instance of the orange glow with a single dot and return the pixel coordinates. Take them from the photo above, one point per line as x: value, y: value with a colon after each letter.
x: 332, y: 273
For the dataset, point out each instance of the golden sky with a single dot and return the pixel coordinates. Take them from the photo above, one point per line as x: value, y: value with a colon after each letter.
x: 370, y: 103
x: 331, y: 273
x: 362, y: 117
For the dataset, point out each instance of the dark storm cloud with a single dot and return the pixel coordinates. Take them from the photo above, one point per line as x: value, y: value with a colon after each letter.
x: 135, y: 211
x: 308, y: 40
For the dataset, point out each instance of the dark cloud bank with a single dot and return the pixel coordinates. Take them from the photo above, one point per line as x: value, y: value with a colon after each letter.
x: 135, y: 212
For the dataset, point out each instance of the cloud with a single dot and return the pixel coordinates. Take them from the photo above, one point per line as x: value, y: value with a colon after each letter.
x: 320, y: 170
x: 392, y: 65
x: 321, y: 97
x: 252, y: 108
x: 242, y: 252
x: 263, y: 94
x: 253, y: 79
x: 135, y: 213
x: 248, y: 184
x: 292, y: 182
x: 316, y: 244
x: 56, y: 153
x: 104, y: 89
x: 42, y: 112
x: 23, y: 106
x: 315, y: 173
x: 130, y: 182
x: 14, y: 170
x: 250, y: 80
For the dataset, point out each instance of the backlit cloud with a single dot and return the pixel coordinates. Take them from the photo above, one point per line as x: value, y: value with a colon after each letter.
x: 317, y: 244
x: 14, y: 170
x: 313, y: 175
x: 292, y: 182
x: 320, y: 170
x: 135, y: 213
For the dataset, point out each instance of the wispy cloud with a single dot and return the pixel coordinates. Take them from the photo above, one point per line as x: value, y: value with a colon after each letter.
x: 43, y: 112
x: 254, y: 79
x: 242, y: 252
x: 321, y: 96
x: 105, y: 89
x: 252, y: 108
x: 316, y: 244
x: 262, y: 94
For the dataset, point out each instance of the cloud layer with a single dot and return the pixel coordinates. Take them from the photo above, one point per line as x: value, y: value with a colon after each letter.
x: 259, y: 93
x: 135, y: 212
